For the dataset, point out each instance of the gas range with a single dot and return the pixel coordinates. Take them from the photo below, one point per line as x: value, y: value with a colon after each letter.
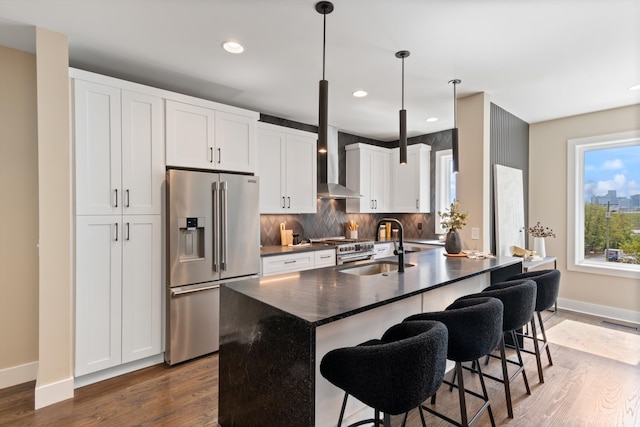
x: 350, y: 250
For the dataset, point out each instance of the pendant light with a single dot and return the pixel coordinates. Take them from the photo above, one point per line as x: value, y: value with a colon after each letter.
x: 403, y: 113
x: 454, y: 131
x: 324, y: 8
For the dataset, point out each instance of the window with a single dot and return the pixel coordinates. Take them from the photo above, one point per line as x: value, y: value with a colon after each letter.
x: 603, y: 214
x: 445, y: 186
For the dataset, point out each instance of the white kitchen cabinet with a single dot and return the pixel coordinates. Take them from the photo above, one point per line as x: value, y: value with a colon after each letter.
x: 287, y: 263
x: 118, y: 290
x: 325, y: 258
x: 410, y: 182
x: 205, y: 138
x: 369, y: 173
x: 288, y: 170
x: 382, y: 249
x: 119, y: 150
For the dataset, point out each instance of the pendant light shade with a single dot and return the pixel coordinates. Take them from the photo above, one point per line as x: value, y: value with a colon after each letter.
x: 403, y: 113
x: 454, y: 131
x: 324, y: 8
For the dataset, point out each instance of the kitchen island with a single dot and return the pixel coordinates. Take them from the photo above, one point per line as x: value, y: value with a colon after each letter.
x: 275, y: 330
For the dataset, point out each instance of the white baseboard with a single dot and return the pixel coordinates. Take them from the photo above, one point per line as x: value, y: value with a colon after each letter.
x: 600, y: 310
x: 48, y: 394
x: 95, y: 377
x: 18, y: 374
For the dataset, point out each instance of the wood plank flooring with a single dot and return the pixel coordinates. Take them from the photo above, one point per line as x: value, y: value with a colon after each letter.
x: 580, y: 389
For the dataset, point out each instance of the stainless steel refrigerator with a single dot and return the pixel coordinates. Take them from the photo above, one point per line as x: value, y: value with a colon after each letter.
x: 213, y: 237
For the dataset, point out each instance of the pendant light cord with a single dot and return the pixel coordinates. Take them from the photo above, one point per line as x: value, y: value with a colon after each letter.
x: 403, y: 83
x: 455, y: 106
x: 324, y: 41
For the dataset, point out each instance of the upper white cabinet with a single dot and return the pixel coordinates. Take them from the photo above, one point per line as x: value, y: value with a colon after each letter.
x: 203, y: 137
x: 369, y: 173
x: 387, y: 185
x: 288, y: 170
x: 119, y: 150
x: 411, y: 181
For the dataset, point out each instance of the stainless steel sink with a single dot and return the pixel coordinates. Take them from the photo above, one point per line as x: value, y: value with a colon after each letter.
x: 377, y: 267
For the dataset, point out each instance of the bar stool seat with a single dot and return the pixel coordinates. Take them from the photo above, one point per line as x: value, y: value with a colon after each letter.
x: 547, y: 290
x: 475, y: 329
x: 394, y: 374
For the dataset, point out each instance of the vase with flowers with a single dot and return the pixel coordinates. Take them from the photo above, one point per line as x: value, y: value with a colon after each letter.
x: 453, y: 220
x: 539, y: 233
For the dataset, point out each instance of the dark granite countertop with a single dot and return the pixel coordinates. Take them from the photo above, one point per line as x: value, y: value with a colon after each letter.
x: 324, y: 295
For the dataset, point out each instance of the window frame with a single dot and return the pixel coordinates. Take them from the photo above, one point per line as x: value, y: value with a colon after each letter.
x: 576, y: 149
x: 443, y: 186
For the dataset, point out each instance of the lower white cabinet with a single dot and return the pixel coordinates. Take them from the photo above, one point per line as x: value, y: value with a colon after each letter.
x: 326, y: 258
x: 277, y: 264
x: 118, y: 290
x: 383, y: 250
x: 308, y: 260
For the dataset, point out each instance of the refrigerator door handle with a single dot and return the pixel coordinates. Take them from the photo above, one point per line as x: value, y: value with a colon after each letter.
x: 216, y: 220
x: 223, y: 225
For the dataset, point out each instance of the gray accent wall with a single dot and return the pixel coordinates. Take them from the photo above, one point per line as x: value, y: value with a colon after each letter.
x: 509, y: 146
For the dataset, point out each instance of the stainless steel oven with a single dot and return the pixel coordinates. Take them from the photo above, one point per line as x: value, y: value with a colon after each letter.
x: 352, y: 250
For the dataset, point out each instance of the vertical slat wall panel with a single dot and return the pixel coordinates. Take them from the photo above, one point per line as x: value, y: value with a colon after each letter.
x: 509, y: 147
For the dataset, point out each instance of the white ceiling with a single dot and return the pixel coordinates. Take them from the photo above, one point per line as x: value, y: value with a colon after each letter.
x: 538, y: 59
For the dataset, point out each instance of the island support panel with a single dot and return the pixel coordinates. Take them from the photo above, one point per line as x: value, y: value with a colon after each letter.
x: 266, y: 365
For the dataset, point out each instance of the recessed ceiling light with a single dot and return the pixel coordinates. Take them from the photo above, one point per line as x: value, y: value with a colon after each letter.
x: 635, y: 87
x: 233, y: 47
x: 432, y: 119
x: 360, y: 93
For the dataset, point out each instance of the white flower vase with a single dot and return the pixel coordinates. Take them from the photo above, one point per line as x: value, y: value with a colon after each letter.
x: 538, y: 246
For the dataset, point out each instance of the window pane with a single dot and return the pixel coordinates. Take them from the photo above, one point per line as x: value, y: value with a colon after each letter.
x: 611, y: 191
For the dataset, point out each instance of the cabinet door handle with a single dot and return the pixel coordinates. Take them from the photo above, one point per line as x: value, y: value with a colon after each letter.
x: 371, y: 203
x: 283, y: 203
x: 127, y: 194
x: 219, y: 155
x: 116, y: 191
x: 116, y: 231
x: 325, y: 257
x: 376, y: 201
x: 290, y: 262
x: 210, y: 154
x: 417, y: 203
x: 289, y: 204
x: 127, y: 231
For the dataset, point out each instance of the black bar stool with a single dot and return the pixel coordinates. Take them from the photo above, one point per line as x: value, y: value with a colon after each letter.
x: 519, y: 299
x: 475, y: 329
x: 547, y: 289
x: 394, y: 374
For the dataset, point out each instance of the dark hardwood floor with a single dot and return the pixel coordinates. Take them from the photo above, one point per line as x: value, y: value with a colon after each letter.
x: 580, y: 389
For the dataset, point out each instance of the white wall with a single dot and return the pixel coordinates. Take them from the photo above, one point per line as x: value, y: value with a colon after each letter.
x: 610, y: 296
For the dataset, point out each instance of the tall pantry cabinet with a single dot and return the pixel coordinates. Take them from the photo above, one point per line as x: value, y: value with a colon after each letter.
x: 119, y: 158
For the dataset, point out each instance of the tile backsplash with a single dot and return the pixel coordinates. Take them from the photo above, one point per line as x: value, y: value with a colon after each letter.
x: 331, y: 220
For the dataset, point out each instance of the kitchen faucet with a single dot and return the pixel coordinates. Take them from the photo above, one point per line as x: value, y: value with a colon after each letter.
x: 399, y: 250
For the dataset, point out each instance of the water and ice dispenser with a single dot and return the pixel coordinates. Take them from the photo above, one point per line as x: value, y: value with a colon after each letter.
x: 192, y: 238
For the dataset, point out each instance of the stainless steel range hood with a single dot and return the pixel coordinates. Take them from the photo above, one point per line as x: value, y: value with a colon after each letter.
x: 328, y: 187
